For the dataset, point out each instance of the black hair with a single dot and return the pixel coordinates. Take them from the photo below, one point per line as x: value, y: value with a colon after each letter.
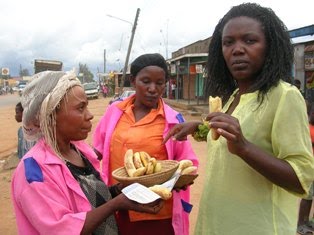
x: 278, y: 56
x: 19, y: 106
x: 149, y: 60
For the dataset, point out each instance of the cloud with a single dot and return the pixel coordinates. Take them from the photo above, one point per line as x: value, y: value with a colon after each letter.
x: 77, y: 31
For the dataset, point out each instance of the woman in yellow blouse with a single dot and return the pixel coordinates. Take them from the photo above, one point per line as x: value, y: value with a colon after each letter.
x: 263, y: 158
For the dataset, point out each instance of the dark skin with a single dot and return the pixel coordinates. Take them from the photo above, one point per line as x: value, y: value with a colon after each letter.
x: 149, y: 84
x: 74, y: 123
x: 243, y: 47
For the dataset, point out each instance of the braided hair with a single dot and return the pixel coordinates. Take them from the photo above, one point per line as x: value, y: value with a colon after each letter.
x: 278, y: 56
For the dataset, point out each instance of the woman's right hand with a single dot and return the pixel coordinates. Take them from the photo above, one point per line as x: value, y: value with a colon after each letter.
x: 127, y: 204
x: 181, y: 131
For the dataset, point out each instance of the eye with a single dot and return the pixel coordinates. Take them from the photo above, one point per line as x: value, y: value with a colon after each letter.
x: 250, y: 41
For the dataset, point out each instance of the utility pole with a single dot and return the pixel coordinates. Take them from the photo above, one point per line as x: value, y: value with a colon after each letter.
x: 129, y: 49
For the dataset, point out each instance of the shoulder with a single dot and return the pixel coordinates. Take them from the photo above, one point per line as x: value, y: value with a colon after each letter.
x: 172, y: 115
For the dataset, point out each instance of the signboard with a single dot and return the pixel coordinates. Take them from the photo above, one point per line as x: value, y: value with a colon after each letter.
x: 309, y: 61
x: 199, y: 68
x: 5, y: 71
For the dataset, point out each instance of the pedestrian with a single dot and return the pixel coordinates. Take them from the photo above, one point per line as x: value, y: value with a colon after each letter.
x: 57, y: 188
x: 262, y: 160
x: 173, y: 89
x: 22, y: 144
x: 140, y: 122
x: 105, y: 90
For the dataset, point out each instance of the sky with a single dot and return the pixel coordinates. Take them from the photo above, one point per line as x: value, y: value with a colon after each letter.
x: 78, y: 31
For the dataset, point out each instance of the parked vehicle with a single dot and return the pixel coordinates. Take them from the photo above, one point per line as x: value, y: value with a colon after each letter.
x: 91, y: 90
x: 124, y: 95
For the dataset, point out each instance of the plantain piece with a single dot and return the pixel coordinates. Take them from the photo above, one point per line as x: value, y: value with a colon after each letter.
x: 184, y: 164
x: 163, y: 192
x: 189, y: 170
x: 145, y: 158
x: 157, y: 167
x: 154, y: 161
x: 139, y: 172
x: 150, y: 168
x: 128, y: 162
x: 215, y: 105
x: 137, y: 160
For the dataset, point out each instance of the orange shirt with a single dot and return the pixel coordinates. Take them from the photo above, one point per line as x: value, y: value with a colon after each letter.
x: 143, y: 135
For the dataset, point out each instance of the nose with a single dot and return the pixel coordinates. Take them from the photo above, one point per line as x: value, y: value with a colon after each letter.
x: 89, y: 115
x: 238, y: 48
x: 152, y: 87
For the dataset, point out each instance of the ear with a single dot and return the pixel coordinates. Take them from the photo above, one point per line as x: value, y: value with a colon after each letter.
x: 132, y: 80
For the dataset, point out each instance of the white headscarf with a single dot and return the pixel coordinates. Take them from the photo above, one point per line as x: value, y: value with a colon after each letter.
x: 40, y: 99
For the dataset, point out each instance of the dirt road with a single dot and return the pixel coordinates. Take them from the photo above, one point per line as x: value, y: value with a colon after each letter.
x: 8, y: 143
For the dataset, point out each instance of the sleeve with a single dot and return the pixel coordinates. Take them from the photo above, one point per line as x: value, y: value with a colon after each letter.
x: 47, y: 209
x: 291, y: 138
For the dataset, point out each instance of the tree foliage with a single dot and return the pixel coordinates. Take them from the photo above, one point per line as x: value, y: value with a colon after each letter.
x: 23, y: 72
x: 87, y: 75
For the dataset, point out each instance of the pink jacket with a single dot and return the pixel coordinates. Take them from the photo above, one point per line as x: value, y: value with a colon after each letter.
x: 177, y: 150
x: 47, y: 198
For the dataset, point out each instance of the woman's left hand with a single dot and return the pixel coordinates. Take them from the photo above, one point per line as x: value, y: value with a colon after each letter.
x: 229, y: 127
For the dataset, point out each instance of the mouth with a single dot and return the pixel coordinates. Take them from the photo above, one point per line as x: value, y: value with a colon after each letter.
x: 239, y: 64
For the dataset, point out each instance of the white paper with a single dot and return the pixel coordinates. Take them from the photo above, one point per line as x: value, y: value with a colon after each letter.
x: 142, y: 194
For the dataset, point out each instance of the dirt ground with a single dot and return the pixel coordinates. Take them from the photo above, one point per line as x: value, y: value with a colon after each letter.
x: 8, y: 144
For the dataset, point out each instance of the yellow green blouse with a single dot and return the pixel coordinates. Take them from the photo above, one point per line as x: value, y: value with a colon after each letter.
x: 237, y: 200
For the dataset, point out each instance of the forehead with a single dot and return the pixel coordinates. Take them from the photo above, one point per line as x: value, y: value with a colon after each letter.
x: 242, y: 25
x: 75, y: 94
x: 152, y: 69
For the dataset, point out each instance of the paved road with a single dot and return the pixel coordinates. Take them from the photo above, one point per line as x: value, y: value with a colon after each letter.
x: 9, y: 100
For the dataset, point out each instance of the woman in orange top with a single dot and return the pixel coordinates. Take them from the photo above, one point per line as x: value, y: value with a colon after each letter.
x: 140, y: 122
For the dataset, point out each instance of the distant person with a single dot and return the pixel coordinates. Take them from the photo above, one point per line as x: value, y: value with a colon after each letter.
x: 306, y: 219
x: 58, y: 188
x: 105, y: 90
x: 173, y: 89
x: 297, y: 83
x: 23, y: 146
x: 262, y: 160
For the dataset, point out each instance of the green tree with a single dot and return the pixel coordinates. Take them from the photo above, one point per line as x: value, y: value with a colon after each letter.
x: 87, y: 74
x: 23, y: 72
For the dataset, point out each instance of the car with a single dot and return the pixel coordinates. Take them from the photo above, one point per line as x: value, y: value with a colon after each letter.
x: 91, y: 90
x: 124, y: 95
x: 20, y: 88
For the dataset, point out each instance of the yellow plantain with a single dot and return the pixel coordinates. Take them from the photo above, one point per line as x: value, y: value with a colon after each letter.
x: 189, y: 170
x: 128, y: 162
x: 137, y: 160
x: 144, y: 157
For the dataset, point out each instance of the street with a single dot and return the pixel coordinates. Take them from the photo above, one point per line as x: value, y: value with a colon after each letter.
x: 8, y: 144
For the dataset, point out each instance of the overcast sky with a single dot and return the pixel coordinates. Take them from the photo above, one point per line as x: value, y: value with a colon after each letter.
x: 77, y: 31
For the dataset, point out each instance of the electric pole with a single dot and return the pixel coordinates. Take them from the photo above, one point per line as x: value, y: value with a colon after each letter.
x: 129, y: 49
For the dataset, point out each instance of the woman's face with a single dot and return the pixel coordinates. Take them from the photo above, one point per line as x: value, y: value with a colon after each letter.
x: 244, y: 48
x: 73, y: 118
x: 149, y: 84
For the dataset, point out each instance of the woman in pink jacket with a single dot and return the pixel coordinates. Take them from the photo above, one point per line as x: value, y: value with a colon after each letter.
x: 140, y: 122
x: 57, y: 187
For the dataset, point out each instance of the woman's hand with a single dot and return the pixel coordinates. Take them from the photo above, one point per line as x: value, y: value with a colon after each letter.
x: 127, y: 204
x: 229, y: 128
x: 181, y: 131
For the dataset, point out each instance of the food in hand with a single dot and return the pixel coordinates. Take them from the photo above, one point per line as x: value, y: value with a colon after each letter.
x: 189, y: 170
x: 184, y: 164
x: 140, y: 163
x: 215, y: 105
x: 163, y: 192
x: 202, y: 131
